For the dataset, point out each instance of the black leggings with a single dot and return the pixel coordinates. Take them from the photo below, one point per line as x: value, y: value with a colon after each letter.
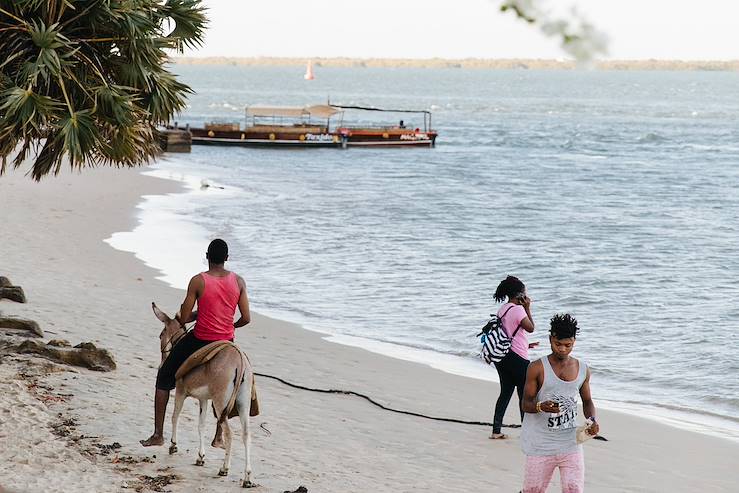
x: 512, y: 373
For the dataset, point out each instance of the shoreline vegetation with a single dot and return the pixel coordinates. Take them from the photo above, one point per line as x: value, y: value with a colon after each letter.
x: 465, y: 63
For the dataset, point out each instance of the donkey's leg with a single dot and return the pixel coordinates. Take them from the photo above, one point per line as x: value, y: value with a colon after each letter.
x: 201, y: 431
x: 228, y: 439
x: 244, y: 405
x: 179, y: 400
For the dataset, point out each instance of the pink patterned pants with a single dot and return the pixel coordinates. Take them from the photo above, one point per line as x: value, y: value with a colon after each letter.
x: 539, y: 470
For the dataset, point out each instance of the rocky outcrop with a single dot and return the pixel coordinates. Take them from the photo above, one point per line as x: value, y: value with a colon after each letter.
x: 85, y: 355
x: 10, y: 291
x: 21, y: 324
x: 13, y: 293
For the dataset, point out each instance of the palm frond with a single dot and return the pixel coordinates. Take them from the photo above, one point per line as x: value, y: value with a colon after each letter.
x: 87, y: 79
x: 189, y: 20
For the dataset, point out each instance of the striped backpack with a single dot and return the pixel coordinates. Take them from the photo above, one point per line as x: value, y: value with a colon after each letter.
x: 495, y: 341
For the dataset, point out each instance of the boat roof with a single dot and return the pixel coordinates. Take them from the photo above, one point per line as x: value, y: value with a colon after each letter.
x: 372, y: 108
x: 317, y: 111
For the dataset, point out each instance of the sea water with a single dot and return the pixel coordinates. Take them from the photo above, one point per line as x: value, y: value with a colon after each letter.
x: 612, y: 195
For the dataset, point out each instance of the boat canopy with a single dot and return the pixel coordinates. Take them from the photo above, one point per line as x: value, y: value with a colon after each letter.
x: 316, y: 111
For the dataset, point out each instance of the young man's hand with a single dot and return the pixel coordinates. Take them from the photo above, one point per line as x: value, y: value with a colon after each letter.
x: 549, y: 407
x: 593, y: 429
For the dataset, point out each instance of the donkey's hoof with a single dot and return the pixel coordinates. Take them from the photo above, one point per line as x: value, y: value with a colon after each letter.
x: 172, y: 449
x: 248, y: 484
x: 223, y: 472
x: 200, y: 461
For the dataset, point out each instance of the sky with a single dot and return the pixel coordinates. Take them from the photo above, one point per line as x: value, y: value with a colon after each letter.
x: 636, y: 29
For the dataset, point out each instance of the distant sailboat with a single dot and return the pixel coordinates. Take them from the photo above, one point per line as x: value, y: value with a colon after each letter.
x: 309, y: 71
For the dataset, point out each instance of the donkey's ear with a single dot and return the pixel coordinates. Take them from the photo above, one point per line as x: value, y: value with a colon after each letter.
x: 160, y: 314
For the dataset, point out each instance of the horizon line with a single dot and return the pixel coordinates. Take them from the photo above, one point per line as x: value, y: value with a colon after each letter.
x: 464, y: 63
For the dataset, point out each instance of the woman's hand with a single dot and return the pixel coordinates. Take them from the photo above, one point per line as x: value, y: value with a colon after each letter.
x: 533, y: 345
x: 526, y: 302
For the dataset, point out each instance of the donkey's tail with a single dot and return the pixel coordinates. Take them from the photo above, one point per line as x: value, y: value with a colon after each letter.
x: 239, y: 372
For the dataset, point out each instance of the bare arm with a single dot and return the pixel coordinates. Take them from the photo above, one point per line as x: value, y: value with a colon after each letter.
x: 528, y: 322
x: 534, y: 381
x: 194, y: 288
x: 588, y: 406
x: 245, y: 317
x: 531, y: 388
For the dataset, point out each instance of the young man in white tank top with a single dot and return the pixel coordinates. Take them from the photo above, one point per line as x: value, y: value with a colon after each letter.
x: 549, y: 431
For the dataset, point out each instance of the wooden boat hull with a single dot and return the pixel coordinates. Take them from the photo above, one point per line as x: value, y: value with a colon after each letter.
x: 308, y: 137
x: 385, y: 137
x: 270, y: 137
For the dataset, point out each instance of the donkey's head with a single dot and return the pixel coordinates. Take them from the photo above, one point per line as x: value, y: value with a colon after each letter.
x: 171, y: 333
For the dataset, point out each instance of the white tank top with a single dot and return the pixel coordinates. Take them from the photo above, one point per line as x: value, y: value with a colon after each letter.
x: 554, y: 433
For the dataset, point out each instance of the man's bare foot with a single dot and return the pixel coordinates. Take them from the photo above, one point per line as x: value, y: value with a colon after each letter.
x: 218, y: 442
x: 498, y: 436
x: 152, y: 441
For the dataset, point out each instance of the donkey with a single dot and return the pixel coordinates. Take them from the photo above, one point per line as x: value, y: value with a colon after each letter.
x: 216, y: 380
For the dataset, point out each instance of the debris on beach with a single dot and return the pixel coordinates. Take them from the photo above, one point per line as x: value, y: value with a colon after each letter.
x: 106, y: 449
x: 301, y: 489
x: 64, y: 427
x: 153, y: 483
x: 129, y: 459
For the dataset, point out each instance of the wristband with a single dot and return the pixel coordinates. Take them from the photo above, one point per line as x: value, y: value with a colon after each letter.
x: 538, y: 407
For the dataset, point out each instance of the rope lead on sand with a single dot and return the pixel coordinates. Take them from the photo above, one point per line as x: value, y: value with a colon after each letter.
x: 399, y: 411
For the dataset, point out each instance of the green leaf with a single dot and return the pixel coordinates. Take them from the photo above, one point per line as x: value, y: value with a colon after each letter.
x: 79, y: 135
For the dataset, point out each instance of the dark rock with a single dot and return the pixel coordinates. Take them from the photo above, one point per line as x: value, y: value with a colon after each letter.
x: 13, y: 293
x: 59, y: 343
x: 301, y: 489
x: 5, y: 282
x: 86, y: 355
x: 21, y: 324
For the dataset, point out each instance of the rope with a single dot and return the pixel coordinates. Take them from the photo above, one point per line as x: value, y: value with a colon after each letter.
x: 399, y: 411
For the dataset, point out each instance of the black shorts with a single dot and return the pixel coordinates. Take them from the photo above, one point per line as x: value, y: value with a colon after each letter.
x: 184, y: 348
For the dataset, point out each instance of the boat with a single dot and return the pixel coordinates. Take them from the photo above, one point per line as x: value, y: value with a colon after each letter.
x: 274, y: 126
x: 383, y: 135
x: 311, y: 126
x: 309, y: 71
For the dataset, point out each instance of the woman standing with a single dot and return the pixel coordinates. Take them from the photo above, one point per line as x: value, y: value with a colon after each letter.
x: 515, y: 315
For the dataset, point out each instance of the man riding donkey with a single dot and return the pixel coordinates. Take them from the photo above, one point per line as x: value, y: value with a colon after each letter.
x: 218, y: 292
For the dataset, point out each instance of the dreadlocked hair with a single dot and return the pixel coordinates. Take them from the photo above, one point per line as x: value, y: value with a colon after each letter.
x: 508, y: 287
x: 563, y: 326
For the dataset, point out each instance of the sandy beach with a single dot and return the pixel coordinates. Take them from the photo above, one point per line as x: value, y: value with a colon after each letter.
x: 74, y: 430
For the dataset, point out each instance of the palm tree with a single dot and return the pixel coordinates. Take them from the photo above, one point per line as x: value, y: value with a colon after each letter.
x: 87, y: 80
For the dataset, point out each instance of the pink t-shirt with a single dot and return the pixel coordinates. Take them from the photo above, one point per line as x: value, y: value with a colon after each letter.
x: 516, y: 313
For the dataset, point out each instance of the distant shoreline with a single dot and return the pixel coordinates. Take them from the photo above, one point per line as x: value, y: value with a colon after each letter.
x: 465, y: 63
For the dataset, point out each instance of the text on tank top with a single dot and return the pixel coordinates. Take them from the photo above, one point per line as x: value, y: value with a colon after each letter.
x: 554, y: 433
x: 216, y: 307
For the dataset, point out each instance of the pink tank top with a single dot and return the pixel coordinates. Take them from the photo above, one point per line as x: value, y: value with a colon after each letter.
x: 216, y: 308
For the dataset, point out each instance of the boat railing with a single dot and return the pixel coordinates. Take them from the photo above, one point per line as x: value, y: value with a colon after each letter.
x: 396, y: 128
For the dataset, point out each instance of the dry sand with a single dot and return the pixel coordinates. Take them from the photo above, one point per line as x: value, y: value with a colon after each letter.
x: 59, y: 427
